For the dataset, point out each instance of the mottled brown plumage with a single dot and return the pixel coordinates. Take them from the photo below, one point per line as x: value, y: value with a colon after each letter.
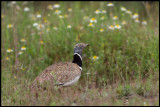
x: 61, y: 74
x: 58, y: 74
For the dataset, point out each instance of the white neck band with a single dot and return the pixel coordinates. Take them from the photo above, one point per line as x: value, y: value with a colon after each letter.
x: 78, y: 55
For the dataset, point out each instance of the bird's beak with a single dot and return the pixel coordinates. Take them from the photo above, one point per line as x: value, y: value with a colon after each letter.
x: 87, y: 45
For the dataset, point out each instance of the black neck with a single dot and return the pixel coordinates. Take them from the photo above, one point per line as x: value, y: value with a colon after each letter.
x: 77, y: 59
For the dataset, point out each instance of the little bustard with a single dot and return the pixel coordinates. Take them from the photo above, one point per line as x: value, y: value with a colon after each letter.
x: 63, y: 73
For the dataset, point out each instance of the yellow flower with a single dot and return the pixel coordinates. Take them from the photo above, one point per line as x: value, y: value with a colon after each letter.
x: 128, y: 12
x: 57, y: 11
x: 95, y: 57
x: 38, y: 15
x: 60, y: 16
x: 117, y: 26
x: 41, y: 42
x: 69, y: 26
x: 23, y: 40
x: 123, y: 8
x: 110, y: 4
x: 23, y: 48
x: 111, y: 27
x: 9, y: 26
x: 9, y: 50
x: 90, y: 24
x: 7, y: 58
x: 56, y: 6
x: 97, y: 11
x: 135, y: 16
x: 101, y: 30
x: 93, y: 20
x: 115, y: 17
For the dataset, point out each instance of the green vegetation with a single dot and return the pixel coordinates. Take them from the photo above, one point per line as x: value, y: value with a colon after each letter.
x: 122, y: 60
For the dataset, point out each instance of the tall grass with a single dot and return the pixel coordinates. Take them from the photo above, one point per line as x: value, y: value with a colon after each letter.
x: 126, y: 55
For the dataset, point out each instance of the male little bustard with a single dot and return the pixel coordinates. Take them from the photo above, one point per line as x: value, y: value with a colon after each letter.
x: 64, y: 73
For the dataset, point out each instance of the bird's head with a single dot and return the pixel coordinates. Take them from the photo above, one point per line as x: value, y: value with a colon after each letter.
x: 78, y: 48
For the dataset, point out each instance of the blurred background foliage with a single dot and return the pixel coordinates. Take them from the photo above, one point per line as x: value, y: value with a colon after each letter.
x: 120, y: 56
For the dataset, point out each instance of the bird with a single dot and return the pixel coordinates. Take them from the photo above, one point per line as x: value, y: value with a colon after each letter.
x: 63, y: 73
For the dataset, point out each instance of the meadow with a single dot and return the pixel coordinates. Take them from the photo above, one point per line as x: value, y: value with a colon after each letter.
x: 121, y: 66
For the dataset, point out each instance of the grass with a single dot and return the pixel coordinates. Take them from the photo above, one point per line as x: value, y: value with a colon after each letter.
x: 128, y: 58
